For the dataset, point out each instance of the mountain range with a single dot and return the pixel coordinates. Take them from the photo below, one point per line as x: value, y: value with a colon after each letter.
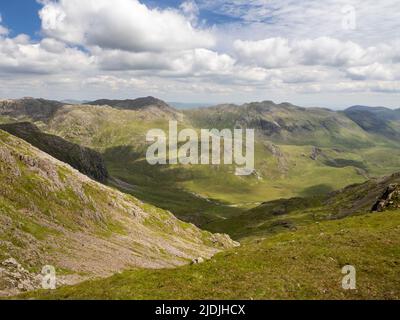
x: 318, y: 171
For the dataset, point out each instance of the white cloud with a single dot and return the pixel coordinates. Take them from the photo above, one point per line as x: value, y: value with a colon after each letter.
x: 280, y: 52
x: 375, y: 71
x: 328, y: 51
x: 376, y: 21
x: 182, y: 63
x: 3, y: 30
x: 190, y: 10
x: 121, y: 24
x: 115, y: 83
x: 268, y: 53
x: 21, y: 55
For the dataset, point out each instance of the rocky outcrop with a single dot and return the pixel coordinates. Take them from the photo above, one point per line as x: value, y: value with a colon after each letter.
x: 283, y: 165
x: 14, y: 279
x: 390, y: 199
x: 376, y: 194
x: 85, y: 160
x: 315, y: 153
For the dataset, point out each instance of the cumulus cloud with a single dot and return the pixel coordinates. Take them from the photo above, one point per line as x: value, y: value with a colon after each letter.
x: 375, y: 71
x: 122, y: 24
x: 269, y: 53
x: 186, y: 62
x: 21, y: 55
x: 190, y: 10
x: 279, y: 52
x: 328, y: 51
x: 114, y: 82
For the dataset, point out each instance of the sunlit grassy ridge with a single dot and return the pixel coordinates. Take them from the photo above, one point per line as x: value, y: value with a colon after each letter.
x: 305, y: 264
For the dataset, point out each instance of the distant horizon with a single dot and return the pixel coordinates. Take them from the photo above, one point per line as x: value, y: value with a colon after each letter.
x: 182, y: 105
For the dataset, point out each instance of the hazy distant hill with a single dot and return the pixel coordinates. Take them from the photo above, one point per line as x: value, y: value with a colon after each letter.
x: 134, y: 104
x: 285, y: 123
x: 187, y: 105
x: 377, y: 120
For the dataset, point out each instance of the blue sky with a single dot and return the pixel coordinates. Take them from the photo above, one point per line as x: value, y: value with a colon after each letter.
x: 330, y: 53
x: 21, y: 16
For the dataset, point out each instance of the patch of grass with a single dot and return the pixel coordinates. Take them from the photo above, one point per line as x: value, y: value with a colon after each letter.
x: 38, y: 231
x: 305, y: 264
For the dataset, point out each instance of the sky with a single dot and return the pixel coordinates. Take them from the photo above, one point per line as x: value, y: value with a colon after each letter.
x: 331, y: 53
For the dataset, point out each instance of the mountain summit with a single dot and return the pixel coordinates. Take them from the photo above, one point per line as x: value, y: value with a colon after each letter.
x: 133, y: 104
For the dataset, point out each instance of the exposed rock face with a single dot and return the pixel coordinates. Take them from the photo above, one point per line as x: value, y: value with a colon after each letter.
x: 389, y: 199
x: 315, y: 153
x: 283, y: 165
x: 376, y: 194
x: 36, y: 109
x: 224, y: 241
x: 14, y: 279
x: 85, y: 160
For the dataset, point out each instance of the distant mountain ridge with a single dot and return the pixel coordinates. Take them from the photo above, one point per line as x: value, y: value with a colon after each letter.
x: 383, y: 112
x: 284, y: 123
x: 43, y: 110
x: 377, y: 120
x: 36, y: 109
x: 133, y: 104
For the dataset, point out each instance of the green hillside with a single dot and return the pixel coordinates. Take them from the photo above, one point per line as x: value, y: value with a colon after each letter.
x: 305, y: 264
x: 289, y: 214
x: 304, y: 214
x: 299, y: 153
x: 52, y: 214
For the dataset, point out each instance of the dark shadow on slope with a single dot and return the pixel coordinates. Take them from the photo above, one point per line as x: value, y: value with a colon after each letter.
x: 160, y: 186
x: 343, y: 163
x: 85, y: 160
x: 317, y: 190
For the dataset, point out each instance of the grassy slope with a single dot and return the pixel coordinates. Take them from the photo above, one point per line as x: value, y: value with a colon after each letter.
x: 50, y: 213
x: 313, y: 255
x: 305, y: 264
x: 279, y: 215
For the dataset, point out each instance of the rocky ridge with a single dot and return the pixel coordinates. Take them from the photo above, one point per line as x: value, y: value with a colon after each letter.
x: 85, y: 160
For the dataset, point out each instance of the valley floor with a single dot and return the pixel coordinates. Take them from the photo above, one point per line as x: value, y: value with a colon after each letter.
x: 302, y: 264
